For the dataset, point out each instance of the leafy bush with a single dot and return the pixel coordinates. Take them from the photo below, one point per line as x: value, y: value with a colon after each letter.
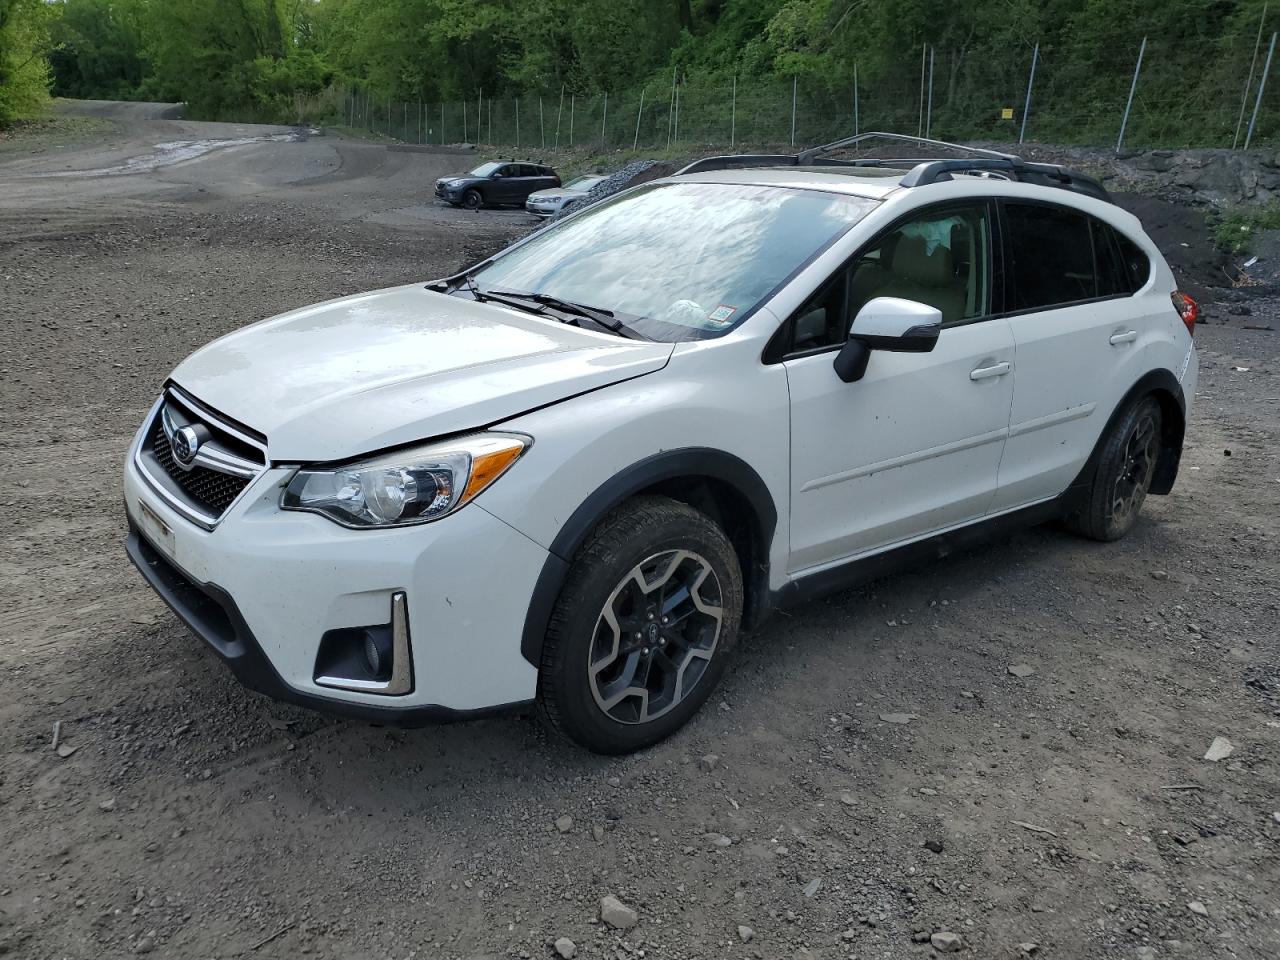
x: 1237, y: 228
x: 24, y: 68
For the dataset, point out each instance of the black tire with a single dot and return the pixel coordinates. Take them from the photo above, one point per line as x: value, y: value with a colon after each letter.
x: 1123, y: 475
x: 676, y: 543
x: 472, y: 200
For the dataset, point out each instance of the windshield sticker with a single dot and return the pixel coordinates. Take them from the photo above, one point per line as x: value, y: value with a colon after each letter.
x: 721, y: 314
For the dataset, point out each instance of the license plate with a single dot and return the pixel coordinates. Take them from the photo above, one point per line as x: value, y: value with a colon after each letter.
x: 157, y: 530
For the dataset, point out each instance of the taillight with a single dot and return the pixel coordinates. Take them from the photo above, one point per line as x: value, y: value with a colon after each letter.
x: 1187, y: 309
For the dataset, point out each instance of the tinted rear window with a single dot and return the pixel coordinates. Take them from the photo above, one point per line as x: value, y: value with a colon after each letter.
x: 1052, y: 252
x: 1136, y: 261
x: 1113, y: 273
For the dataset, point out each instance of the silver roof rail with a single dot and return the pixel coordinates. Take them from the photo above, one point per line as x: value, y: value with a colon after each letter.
x: 920, y: 171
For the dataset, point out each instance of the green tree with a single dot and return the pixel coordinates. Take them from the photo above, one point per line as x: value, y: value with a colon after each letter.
x: 98, y: 50
x: 24, y: 65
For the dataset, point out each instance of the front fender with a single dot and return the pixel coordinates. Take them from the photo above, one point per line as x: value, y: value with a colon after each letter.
x: 719, y: 414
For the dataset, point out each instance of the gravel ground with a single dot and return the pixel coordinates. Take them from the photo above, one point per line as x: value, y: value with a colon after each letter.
x: 872, y: 779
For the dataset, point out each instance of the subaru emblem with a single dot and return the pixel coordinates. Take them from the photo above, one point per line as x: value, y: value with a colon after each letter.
x: 186, y: 441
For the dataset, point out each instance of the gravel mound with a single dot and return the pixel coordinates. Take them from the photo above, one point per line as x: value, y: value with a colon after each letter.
x: 628, y: 176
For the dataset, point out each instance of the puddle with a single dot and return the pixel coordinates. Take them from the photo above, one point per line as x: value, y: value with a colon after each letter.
x: 171, y: 152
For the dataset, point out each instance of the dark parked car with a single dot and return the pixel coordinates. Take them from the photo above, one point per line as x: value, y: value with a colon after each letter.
x: 496, y: 182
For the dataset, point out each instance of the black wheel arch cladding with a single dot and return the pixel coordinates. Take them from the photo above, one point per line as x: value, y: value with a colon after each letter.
x: 1167, y: 391
x: 693, y: 475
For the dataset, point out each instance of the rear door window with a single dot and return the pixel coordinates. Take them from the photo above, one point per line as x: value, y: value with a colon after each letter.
x: 1051, y: 254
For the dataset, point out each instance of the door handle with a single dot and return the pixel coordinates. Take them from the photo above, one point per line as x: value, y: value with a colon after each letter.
x: 985, y: 373
x: 1127, y: 337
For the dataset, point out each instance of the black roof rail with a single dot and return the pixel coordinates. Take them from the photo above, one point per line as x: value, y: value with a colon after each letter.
x: 920, y: 170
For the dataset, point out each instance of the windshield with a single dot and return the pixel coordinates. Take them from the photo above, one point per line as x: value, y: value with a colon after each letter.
x: 678, y: 261
x: 582, y: 183
x: 484, y: 169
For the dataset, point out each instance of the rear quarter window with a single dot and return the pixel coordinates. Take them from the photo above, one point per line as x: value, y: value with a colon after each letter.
x: 1113, y: 273
x: 1137, y: 263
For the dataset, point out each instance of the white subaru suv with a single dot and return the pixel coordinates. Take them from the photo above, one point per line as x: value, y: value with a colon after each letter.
x: 574, y: 474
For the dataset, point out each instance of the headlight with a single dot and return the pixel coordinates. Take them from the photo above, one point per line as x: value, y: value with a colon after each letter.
x: 411, y: 486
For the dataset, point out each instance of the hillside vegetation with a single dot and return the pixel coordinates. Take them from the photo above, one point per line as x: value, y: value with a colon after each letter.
x: 283, y: 59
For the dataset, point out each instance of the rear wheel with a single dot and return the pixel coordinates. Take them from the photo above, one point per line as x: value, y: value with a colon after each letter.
x: 1123, y: 476
x: 472, y: 199
x: 641, y: 631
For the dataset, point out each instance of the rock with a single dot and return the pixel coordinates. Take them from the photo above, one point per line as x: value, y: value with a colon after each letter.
x: 1159, y: 575
x: 848, y: 799
x: 597, y: 833
x: 65, y: 750
x: 614, y: 782
x: 1220, y: 749
x: 617, y: 914
x: 145, y: 945
x: 1198, y: 908
x: 708, y: 763
x: 1276, y: 816
x: 934, y: 846
x: 564, y: 824
x: 745, y: 933
x: 718, y: 840
x: 946, y: 942
x: 566, y: 948
x: 898, y: 717
x: 812, y: 887
x: 850, y: 934
x: 107, y: 805
x: 1145, y: 953
x: 920, y: 936
x: 1021, y: 671
x: 1028, y: 948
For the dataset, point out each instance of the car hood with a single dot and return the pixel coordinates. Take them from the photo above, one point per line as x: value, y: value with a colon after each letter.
x: 396, y: 366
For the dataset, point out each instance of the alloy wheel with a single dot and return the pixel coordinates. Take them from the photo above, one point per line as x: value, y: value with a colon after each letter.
x: 1141, y: 449
x: 655, y: 636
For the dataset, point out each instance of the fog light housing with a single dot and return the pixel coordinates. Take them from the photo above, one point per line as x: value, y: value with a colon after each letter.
x: 372, y: 659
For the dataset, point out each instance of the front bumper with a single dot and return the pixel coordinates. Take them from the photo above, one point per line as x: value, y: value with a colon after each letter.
x: 541, y: 209
x: 265, y: 585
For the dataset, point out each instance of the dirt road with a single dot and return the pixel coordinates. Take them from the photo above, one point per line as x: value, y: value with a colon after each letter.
x: 881, y: 777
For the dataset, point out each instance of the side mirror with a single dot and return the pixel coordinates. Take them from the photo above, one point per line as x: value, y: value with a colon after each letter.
x: 496, y: 175
x: 887, y: 323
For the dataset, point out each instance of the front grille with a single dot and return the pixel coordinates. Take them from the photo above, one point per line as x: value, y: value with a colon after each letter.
x: 209, y: 490
x: 226, y: 458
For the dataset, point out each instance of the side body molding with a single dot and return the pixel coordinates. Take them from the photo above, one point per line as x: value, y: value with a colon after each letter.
x: 694, y: 462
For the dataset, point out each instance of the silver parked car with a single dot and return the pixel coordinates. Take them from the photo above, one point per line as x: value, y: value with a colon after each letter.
x: 547, y: 203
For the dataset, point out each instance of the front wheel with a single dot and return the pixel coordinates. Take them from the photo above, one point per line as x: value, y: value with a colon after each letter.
x: 1123, y: 475
x: 642, y: 629
x: 472, y: 200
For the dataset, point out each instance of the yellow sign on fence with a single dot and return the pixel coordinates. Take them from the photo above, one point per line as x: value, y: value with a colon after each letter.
x: 1006, y: 113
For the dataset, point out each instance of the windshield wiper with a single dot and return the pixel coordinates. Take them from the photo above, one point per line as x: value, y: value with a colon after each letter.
x: 597, y: 315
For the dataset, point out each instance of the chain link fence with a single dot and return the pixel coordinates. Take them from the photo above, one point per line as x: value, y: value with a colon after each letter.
x: 1146, y: 98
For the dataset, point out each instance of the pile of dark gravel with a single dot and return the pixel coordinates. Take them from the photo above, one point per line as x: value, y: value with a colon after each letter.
x: 627, y: 176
